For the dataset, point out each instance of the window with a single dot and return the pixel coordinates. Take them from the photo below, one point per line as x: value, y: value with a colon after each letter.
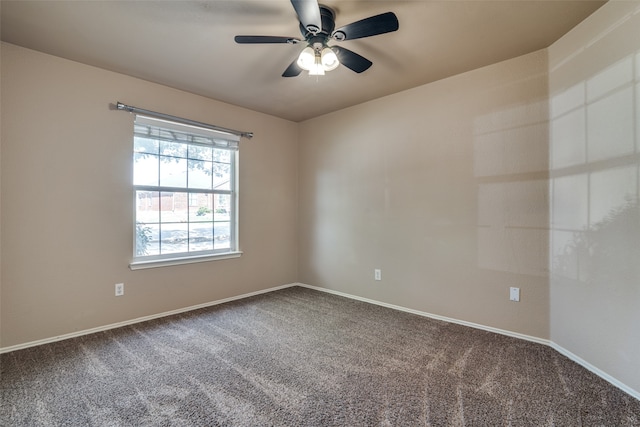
x: 185, y: 186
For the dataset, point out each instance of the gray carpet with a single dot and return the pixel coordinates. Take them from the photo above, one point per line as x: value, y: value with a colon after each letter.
x: 299, y: 357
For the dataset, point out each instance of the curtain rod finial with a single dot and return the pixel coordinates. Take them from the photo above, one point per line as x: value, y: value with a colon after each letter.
x: 121, y: 106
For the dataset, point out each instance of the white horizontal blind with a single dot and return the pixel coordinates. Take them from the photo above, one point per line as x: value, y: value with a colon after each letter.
x: 148, y: 127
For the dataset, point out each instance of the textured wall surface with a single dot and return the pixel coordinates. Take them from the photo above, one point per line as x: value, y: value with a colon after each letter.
x: 444, y: 188
x: 67, y: 200
x: 595, y: 167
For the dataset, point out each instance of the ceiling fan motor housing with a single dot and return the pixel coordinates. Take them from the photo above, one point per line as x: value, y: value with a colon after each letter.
x: 328, y: 17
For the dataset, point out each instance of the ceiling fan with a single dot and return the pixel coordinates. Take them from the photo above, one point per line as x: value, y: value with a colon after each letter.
x: 317, y: 25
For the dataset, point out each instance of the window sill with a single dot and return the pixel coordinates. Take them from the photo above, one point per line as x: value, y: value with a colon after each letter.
x: 141, y: 265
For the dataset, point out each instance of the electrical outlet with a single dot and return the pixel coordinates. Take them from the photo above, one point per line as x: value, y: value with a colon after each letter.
x: 377, y: 274
x: 119, y: 289
x: 514, y: 294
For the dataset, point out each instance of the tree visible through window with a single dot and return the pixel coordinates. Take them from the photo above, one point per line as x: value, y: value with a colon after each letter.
x: 185, y: 190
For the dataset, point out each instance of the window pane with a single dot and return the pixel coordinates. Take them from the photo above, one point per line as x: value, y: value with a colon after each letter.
x: 174, y: 207
x: 145, y: 169
x: 222, y: 156
x: 200, y: 207
x: 174, y: 238
x: 174, y: 149
x: 200, y: 174
x: 148, y: 207
x: 201, y: 236
x: 145, y: 145
x: 221, y: 176
x: 221, y: 235
x: 222, y: 207
x: 143, y: 236
x: 173, y: 172
x: 200, y: 153
x: 147, y: 242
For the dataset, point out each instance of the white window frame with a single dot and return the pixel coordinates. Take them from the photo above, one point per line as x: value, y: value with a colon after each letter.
x: 218, y: 140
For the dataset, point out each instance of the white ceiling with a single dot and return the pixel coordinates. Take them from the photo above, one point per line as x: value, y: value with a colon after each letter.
x: 189, y: 44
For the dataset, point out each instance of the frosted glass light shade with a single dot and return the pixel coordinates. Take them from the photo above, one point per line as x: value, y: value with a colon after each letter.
x: 307, y: 58
x: 329, y: 59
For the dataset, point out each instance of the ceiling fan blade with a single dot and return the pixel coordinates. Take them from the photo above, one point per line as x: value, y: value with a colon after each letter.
x: 308, y: 12
x: 292, y: 70
x: 264, y: 39
x: 372, y: 26
x: 351, y: 60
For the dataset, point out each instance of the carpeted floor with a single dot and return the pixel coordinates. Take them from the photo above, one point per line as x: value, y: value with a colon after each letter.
x: 298, y: 357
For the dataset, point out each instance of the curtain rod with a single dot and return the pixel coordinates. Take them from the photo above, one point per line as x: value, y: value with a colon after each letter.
x: 121, y: 106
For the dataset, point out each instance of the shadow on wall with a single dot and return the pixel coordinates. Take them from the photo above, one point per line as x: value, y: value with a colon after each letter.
x: 604, y: 253
x: 511, y: 163
x: 595, y: 165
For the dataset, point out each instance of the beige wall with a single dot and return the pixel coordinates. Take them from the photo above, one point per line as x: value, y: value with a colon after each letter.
x: 67, y: 203
x: 444, y: 188
x: 595, y: 167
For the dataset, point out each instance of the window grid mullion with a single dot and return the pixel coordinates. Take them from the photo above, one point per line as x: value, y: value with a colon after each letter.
x: 188, y: 206
x: 159, y: 204
x: 180, y: 189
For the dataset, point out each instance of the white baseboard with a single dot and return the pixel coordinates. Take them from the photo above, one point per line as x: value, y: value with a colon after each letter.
x: 137, y: 320
x: 432, y: 316
x: 615, y: 382
x: 595, y: 370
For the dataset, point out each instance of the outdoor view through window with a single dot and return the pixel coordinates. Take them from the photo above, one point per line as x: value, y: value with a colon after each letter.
x: 184, y: 182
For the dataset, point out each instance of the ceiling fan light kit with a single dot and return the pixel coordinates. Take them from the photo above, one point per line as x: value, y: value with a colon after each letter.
x: 317, y: 24
x: 329, y: 59
x: 317, y: 59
